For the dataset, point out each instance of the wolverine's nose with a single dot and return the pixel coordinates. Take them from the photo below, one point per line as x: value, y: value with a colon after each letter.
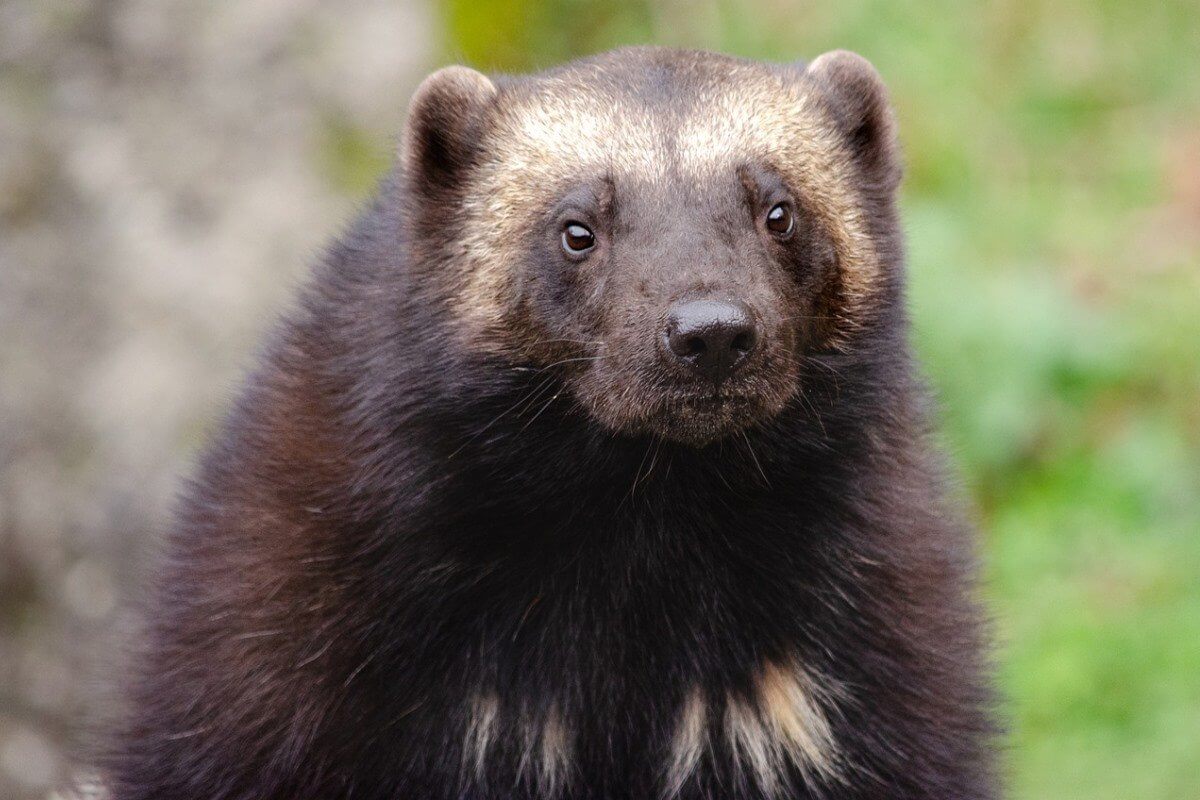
x: 713, y: 337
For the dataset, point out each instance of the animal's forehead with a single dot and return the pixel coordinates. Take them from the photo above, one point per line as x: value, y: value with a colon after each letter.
x: 655, y: 121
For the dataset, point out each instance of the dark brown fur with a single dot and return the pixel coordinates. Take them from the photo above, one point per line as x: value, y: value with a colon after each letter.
x: 430, y: 557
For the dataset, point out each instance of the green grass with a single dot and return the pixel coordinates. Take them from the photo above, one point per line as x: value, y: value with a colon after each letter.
x: 1053, y: 209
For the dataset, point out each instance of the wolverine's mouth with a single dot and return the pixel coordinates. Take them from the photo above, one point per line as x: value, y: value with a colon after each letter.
x: 679, y: 405
x: 702, y: 417
x: 720, y: 412
x: 709, y: 403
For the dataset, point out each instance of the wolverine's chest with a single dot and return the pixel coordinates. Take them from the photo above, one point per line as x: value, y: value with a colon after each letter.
x: 632, y: 677
x: 657, y: 734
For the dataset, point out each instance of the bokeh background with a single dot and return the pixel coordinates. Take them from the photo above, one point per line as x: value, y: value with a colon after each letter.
x: 169, y: 169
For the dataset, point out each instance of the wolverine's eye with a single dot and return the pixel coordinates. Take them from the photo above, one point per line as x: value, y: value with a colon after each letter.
x: 780, y: 220
x: 577, y: 239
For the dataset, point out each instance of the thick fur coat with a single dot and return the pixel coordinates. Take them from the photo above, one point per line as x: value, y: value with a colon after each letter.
x: 468, y: 533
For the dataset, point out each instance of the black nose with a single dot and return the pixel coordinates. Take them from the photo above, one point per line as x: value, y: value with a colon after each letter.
x: 713, y: 337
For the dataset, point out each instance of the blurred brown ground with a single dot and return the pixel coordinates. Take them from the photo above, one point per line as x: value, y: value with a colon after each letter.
x: 163, y: 185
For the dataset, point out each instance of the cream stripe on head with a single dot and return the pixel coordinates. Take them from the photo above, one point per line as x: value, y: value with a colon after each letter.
x: 569, y: 129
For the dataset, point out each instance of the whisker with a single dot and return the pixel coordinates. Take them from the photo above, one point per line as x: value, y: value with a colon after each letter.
x: 530, y: 399
x: 822, y: 317
x: 653, y: 461
x: 636, y: 475
x: 818, y: 362
x: 596, y: 342
x: 546, y: 405
x: 754, y: 457
x: 568, y: 361
x: 526, y: 398
x: 816, y: 414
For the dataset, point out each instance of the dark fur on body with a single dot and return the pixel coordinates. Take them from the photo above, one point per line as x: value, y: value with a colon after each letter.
x: 391, y: 522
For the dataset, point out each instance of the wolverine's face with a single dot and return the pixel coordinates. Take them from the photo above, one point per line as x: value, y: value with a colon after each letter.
x: 670, y: 233
x: 680, y: 303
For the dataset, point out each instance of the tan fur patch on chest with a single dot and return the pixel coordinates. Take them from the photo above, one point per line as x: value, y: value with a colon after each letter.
x: 546, y: 743
x: 781, y: 727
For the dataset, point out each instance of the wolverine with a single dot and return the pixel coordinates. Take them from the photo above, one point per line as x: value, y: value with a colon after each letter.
x: 592, y: 464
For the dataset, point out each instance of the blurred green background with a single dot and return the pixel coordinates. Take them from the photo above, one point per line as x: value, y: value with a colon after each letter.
x: 168, y: 169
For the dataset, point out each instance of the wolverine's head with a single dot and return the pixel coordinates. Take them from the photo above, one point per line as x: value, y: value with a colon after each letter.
x: 671, y: 232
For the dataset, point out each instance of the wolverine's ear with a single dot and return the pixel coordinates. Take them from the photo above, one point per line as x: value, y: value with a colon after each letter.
x: 445, y: 118
x: 857, y: 101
